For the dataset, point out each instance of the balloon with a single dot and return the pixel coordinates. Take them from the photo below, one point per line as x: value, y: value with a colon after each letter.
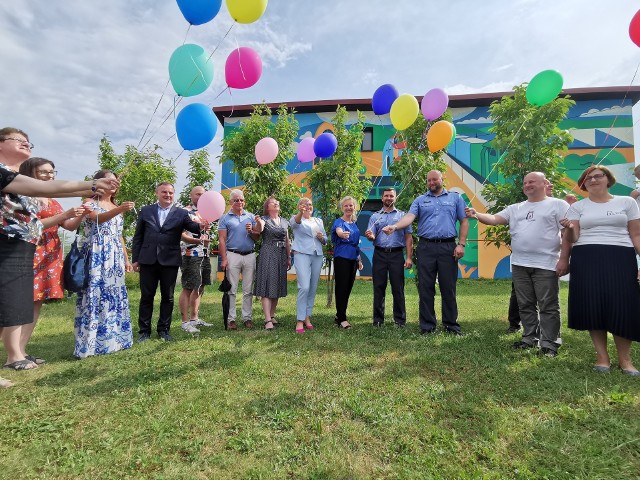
x: 434, y: 103
x: 634, y: 28
x: 383, y: 98
x: 305, y: 150
x: 325, y: 145
x: 243, y: 68
x: 544, y: 87
x: 197, y: 12
x: 266, y: 150
x: 404, y: 111
x: 196, y: 126
x: 190, y: 70
x: 246, y: 11
x: 453, y: 136
x: 439, y: 135
x: 211, y: 206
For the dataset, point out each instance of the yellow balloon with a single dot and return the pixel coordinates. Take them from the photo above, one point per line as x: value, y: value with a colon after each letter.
x: 439, y: 135
x: 246, y: 11
x: 404, y: 111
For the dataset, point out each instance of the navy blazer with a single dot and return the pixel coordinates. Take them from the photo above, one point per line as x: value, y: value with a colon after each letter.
x: 153, y: 243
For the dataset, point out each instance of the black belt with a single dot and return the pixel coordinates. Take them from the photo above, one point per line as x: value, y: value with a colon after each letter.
x: 389, y: 249
x: 438, y: 240
x: 239, y: 252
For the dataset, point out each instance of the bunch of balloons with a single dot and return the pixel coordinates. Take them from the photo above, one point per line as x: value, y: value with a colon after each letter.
x: 323, y: 147
x: 191, y: 69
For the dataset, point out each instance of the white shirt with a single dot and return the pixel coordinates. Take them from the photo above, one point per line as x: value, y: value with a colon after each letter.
x: 605, y: 223
x: 535, y: 232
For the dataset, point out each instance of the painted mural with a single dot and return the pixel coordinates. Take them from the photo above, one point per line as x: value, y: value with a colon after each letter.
x: 602, y: 131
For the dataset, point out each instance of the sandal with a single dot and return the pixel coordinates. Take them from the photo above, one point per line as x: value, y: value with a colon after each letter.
x: 343, y: 326
x: 274, y: 321
x: 4, y: 383
x: 267, y: 323
x: 36, y: 360
x: 21, y: 365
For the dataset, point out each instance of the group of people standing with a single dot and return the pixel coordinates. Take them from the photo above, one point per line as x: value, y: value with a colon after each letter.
x: 596, y: 239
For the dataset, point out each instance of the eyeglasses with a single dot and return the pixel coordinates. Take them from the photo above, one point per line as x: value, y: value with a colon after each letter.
x: 48, y: 173
x: 20, y: 140
x: 237, y: 200
x: 595, y: 176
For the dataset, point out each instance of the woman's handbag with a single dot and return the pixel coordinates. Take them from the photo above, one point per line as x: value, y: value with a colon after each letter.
x: 75, y: 269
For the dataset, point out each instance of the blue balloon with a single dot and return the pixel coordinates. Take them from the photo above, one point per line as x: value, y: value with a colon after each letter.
x: 197, y: 12
x: 383, y: 98
x: 325, y: 145
x: 196, y: 126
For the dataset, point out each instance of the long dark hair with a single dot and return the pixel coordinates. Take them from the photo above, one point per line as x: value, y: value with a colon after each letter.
x: 31, y: 165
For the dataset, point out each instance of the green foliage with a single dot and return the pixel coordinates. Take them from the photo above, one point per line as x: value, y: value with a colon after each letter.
x: 140, y: 172
x: 262, y: 181
x: 200, y: 174
x: 336, y: 177
x: 530, y: 141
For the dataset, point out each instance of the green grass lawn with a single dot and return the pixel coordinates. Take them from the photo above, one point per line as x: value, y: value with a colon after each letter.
x: 330, y: 404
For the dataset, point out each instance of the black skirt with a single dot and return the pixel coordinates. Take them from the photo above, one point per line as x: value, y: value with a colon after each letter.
x: 603, y: 290
x: 16, y: 281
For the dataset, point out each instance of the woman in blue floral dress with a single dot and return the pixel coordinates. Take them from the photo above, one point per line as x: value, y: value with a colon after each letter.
x: 103, y: 323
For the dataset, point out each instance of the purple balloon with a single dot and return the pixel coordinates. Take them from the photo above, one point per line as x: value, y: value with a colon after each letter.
x: 325, y: 145
x: 383, y: 98
x: 434, y: 103
x: 305, y: 150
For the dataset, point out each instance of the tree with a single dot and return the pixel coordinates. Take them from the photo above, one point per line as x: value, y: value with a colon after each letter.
x: 334, y: 178
x: 530, y: 141
x: 263, y: 181
x: 200, y: 174
x: 140, y: 172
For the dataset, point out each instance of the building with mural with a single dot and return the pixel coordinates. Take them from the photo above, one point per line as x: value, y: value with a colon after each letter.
x: 600, y: 122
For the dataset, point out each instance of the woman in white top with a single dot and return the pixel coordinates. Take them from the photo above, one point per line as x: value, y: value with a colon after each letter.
x: 604, y: 295
x: 308, y: 238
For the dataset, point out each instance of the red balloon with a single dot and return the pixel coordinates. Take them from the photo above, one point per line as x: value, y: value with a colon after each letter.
x: 634, y: 28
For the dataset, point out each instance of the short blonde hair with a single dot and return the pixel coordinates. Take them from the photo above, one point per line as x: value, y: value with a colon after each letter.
x: 346, y: 199
x: 304, y: 200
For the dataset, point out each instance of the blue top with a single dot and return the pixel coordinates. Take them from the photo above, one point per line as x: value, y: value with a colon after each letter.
x: 437, y: 215
x: 346, y: 248
x: 381, y: 219
x: 237, y: 236
x: 304, y: 235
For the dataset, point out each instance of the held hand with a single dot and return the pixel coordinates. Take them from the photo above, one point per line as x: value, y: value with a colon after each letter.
x: 223, y: 264
x: 345, y: 235
x: 73, y: 213
x: 470, y: 212
x: 127, y: 206
x: 360, y: 265
x: 319, y: 236
x: 408, y: 263
x: 136, y: 267
x: 389, y: 229
x: 104, y: 185
x: 128, y: 267
x: 288, y: 263
x: 562, y: 267
x: 369, y: 234
x: 458, y: 253
x: 566, y: 223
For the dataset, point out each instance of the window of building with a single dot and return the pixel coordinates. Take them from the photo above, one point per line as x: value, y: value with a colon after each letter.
x: 367, y: 141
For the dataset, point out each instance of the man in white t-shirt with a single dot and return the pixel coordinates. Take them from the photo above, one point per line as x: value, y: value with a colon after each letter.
x: 536, y: 260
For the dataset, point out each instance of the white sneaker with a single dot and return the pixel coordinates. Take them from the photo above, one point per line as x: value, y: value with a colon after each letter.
x: 200, y: 323
x: 189, y: 327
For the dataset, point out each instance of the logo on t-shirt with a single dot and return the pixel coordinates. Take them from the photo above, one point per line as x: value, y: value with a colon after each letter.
x: 609, y: 213
x: 529, y: 216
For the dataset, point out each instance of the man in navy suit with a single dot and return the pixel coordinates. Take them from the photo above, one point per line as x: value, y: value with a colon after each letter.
x: 156, y: 255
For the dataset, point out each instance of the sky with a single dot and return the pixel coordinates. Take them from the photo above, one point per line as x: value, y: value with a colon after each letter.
x: 74, y: 70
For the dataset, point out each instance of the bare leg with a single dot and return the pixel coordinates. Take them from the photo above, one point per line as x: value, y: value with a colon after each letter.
x: 624, y: 353
x: 27, y: 330
x: 11, y: 339
x: 266, y: 308
x: 184, y: 304
x: 194, y: 301
x: 599, y: 339
x: 274, y: 304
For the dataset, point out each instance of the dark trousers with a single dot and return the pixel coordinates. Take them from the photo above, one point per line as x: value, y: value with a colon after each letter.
x: 514, y: 311
x: 436, y: 260
x: 388, y: 265
x: 150, y: 275
x: 344, y: 274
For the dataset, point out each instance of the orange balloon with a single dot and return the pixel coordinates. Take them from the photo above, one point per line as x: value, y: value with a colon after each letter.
x: 439, y: 135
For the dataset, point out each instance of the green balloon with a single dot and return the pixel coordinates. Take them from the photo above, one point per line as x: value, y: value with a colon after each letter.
x: 363, y: 170
x: 303, y: 190
x: 190, y: 70
x: 453, y: 137
x: 544, y: 87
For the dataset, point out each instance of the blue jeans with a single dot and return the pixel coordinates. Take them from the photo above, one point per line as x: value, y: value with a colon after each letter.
x: 308, y: 273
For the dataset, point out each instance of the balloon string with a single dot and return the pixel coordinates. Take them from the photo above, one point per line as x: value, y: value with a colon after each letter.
x: 220, y: 42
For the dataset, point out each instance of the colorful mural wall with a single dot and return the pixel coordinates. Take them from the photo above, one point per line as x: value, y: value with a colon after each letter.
x: 602, y: 131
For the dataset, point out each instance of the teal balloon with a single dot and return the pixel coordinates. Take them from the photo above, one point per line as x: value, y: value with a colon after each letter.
x: 544, y: 87
x: 453, y: 137
x: 190, y: 70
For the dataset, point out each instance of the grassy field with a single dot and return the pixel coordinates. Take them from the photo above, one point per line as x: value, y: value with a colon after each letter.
x: 367, y: 403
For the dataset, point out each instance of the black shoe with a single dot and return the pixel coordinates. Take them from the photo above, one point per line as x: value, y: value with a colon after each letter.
x: 144, y: 337
x: 522, y: 345
x: 424, y: 331
x: 547, y: 352
x: 513, y: 329
x: 454, y: 332
x: 165, y: 336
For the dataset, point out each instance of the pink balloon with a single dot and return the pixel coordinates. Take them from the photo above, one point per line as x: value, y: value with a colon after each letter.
x: 211, y: 206
x: 434, y: 103
x: 243, y: 68
x: 305, y: 150
x: 266, y: 150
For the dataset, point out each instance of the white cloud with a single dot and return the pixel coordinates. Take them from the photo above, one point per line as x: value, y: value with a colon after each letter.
x: 475, y: 120
x: 609, y: 112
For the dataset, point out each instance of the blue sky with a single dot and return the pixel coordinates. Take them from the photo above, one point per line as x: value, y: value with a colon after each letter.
x: 74, y: 70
